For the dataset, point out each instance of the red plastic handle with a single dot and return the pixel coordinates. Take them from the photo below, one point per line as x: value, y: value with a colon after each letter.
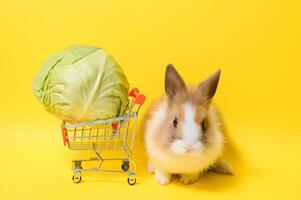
x: 114, y: 125
x: 139, y: 99
x: 64, y: 134
x: 134, y: 92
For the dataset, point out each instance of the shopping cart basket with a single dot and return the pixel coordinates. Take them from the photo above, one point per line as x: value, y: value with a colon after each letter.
x: 113, y: 134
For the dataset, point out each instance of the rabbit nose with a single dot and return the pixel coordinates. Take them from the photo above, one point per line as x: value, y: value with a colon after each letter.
x: 188, y: 148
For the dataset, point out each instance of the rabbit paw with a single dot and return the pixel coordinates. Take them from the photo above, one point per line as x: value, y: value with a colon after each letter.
x: 161, y: 177
x: 223, y: 167
x: 189, y: 178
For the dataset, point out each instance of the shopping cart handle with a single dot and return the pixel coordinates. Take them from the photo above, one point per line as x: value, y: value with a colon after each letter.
x: 134, y: 92
x: 139, y: 99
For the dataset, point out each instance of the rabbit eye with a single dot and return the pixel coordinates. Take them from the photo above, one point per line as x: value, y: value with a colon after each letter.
x: 175, y: 122
x: 204, y: 125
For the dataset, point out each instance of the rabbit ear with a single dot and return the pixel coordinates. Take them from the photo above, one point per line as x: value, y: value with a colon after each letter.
x: 208, y: 87
x: 174, y: 84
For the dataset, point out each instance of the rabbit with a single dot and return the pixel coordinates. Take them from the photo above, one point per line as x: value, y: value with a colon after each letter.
x: 183, y: 131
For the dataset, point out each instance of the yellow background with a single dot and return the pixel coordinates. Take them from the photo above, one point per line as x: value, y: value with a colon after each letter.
x: 255, y: 42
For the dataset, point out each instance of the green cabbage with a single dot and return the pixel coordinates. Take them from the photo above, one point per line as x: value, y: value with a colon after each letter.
x: 81, y: 83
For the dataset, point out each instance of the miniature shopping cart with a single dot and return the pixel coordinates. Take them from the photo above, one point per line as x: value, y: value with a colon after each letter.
x: 113, y: 134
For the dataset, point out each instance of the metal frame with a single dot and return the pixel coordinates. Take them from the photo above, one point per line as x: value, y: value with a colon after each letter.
x: 113, y: 134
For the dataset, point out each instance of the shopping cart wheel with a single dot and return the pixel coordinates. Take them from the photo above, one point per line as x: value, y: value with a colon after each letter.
x: 76, y: 178
x: 131, y: 180
x: 125, y: 166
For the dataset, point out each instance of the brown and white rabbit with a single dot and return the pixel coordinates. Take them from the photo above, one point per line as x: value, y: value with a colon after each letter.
x: 183, y: 134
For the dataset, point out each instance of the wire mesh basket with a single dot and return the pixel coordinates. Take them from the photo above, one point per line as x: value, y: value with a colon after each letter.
x: 113, y: 134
